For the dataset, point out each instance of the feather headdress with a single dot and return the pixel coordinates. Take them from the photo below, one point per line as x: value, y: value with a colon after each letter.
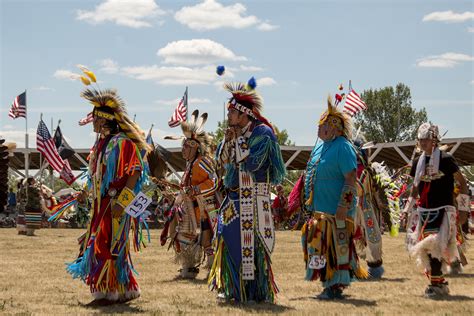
x: 337, y: 119
x: 194, y: 129
x: 247, y: 100
x: 107, y: 104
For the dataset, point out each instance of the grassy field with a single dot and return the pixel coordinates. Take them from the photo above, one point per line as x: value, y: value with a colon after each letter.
x: 33, y: 281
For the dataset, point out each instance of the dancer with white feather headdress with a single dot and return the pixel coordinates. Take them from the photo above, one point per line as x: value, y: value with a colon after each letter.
x: 189, y: 226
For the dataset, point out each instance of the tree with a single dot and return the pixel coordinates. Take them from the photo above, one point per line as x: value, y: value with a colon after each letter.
x: 390, y: 116
x: 218, y: 135
x: 282, y: 137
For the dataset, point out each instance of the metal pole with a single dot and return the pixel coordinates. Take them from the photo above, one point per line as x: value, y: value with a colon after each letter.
x: 51, y: 170
x: 27, y: 156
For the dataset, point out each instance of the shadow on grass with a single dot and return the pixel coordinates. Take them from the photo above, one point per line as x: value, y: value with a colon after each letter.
x: 123, y: 308
x: 347, y: 300
x: 356, y: 302
x: 258, y: 307
x: 183, y: 280
x: 393, y: 279
x: 460, y: 276
x: 455, y: 298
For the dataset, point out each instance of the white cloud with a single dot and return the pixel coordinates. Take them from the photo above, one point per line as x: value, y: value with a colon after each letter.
x: 134, y: 14
x: 196, y: 101
x: 64, y: 74
x: 196, y: 52
x: 449, y: 16
x: 43, y: 88
x: 171, y: 75
x: 470, y: 29
x: 250, y: 68
x: 18, y: 137
x: 267, y: 27
x: 211, y: 15
x: 447, y: 60
x: 109, y: 66
x: 266, y: 81
x: 472, y: 82
x: 8, y: 126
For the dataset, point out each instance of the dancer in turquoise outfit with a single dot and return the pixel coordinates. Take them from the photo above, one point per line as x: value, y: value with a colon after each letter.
x: 330, y: 195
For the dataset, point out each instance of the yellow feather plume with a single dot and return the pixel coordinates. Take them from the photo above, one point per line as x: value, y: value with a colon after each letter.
x: 91, y: 75
x: 85, y: 81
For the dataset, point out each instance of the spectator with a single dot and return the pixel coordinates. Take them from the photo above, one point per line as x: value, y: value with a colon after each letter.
x: 32, y: 206
x: 279, y: 206
x: 11, y: 201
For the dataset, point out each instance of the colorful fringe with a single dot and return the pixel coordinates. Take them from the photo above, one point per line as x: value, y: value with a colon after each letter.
x: 263, y: 150
x: 116, y: 165
x: 225, y: 277
x: 114, y: 273
x: 318, y: 239
x: 60, y: 209
x: 33, y: 219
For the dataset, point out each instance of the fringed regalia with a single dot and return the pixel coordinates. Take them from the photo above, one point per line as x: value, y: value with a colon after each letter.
x: 245, y: 234
x: 193, y: 216
x: 116, y: 174
x: 32, y: 207
x: 431, y: 227
x: 368, y: 235
x: 104, y: 262
x: 189, y: 225
x: 328, y: 245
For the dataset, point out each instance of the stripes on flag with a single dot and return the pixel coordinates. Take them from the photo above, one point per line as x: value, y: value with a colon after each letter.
x: 181, y: 112
x: 18, y: 108
x: 45, y: 145
x: 354, y: 104
x: 66, y: 173
x: 86, y: 120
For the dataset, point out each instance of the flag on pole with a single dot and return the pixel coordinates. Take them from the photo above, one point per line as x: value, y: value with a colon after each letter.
x: 45, y: 145
x: 88, y: 119
x: 18, y: 108
x: 64, y: 150
x: 181, y: 112
x: 66, y: 173
x: 354, y: 104
x: 149, y: 141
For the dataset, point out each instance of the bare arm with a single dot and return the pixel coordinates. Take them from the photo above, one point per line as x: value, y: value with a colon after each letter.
x: 462, y: 182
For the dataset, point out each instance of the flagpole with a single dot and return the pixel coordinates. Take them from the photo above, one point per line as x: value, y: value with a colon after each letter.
x: 149, y: 132
x: 186, y: 102
x: 51, y: 170
x: 27, y: 154
x: 41, y: 158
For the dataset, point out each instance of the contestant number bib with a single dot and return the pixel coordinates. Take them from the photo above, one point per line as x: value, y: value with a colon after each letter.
x: 317, y: 262
x: 138, y: 205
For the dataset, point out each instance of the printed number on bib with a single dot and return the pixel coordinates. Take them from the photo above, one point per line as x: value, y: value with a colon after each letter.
x: 138, y: 205
x: 317, y: 262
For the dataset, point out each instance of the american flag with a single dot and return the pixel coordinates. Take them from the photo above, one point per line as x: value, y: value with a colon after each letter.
x: 354, y: 104
x: 181, y: 112
x: 66, y: 173
x: 89, y: 118
x: 18, y: 108
x: 45, y: 145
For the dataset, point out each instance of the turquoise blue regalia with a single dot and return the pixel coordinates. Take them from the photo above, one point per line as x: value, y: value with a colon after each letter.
x: 328, y: 244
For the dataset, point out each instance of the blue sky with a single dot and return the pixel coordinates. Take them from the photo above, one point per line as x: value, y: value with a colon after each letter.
x: 299, y: 51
